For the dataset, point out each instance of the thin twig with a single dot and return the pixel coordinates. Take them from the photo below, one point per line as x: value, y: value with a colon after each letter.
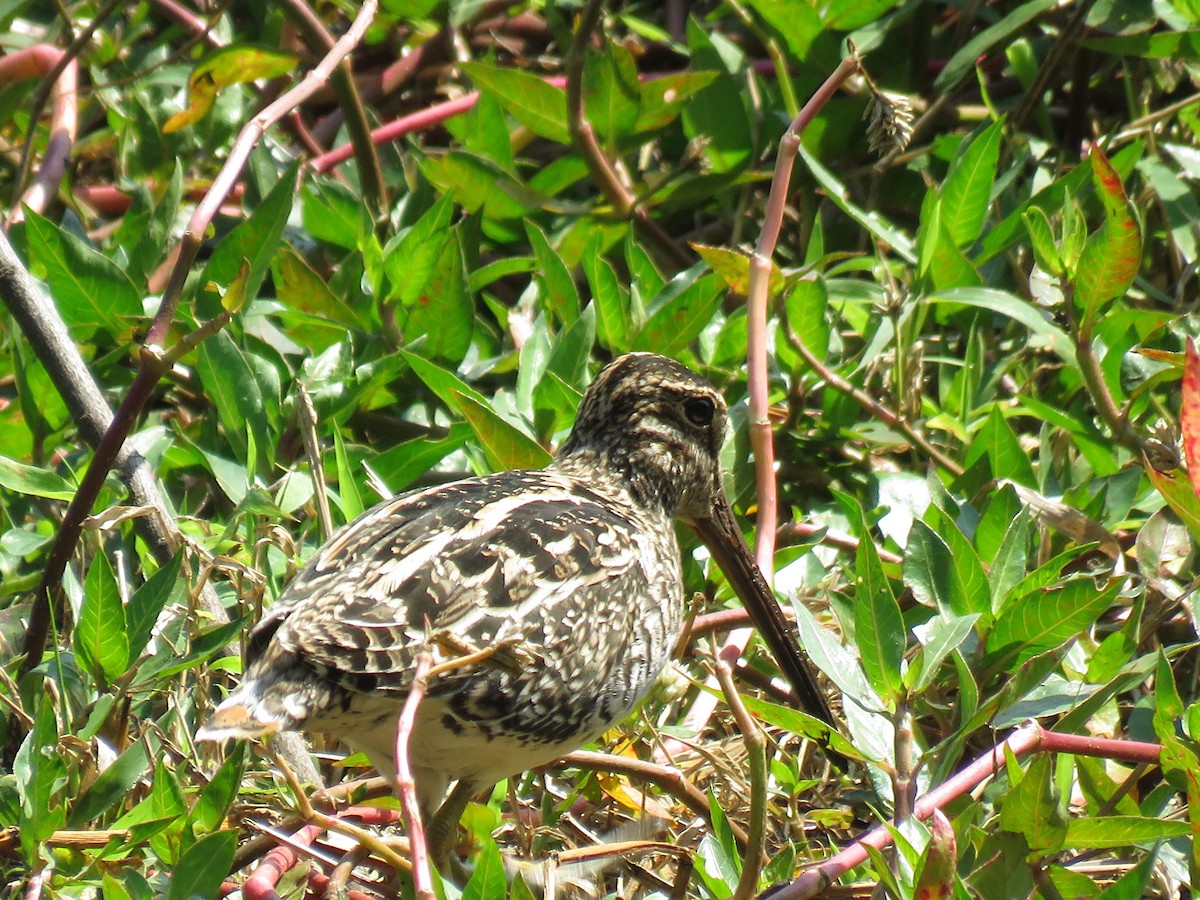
x: 757, y: 296
x: 583, y: 135
x: 306, y: 416
x: 325, y: 822
x: 756, y: 750
x: 58, y: 71
x: 866, y: 401
x: 904, y: 785
x: 757, y: 305
x: 319, y: 40
x: 667, y: 778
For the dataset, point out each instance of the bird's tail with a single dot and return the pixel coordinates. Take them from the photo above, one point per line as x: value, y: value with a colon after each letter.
x: 242, y: 715
x: 260, y: 707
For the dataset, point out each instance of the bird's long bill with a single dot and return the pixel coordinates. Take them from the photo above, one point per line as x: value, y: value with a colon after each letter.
x: 724, y: 540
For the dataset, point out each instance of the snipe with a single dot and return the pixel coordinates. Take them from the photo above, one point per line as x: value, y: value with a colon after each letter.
x: 577, y: 561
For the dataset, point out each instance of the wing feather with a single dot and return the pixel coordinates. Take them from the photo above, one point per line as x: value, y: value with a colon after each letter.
x: 473, y: 558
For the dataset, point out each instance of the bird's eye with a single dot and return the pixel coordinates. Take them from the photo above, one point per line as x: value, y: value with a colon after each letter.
x: 699, y: 410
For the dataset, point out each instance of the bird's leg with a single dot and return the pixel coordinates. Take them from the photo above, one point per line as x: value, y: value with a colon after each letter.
x: 443, y: 828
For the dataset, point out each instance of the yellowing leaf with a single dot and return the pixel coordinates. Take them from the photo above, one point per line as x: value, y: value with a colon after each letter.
x: 630, y: 797
x: 235, y: 64
x: 734, y: 269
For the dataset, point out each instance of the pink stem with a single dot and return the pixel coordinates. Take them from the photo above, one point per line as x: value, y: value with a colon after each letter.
x: 1024, y: 740
x: 761, y: 440
x: 261, y: 884
x: 406, y: 785
x: 33, y: 62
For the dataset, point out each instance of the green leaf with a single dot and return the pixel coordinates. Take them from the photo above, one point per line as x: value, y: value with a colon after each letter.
x: 33, y: 481
x: 203, y: 867
x: 947, y: 266
x: 210, y: 808
x: 611, y: 300
x: 254, y: 241
x: 1033, y: 808
x: 1006, y: 304
x: 955, y: 587
x: 940, y: 637
x: 682, y: 310
x: 966, y: 192
x: 487, y: 882
x: 1122, y: 831
x: 1043, y: 620
x: 1183, y: 45
x: 999, y: 444
x: 799, y: 723
x: 611, y: 94
x: 231, y: 64
x: 561, y: 385
x: 841, y: 666
x: 1008, y: 567
x: 663, y: 96
x: 875, y: 224
x: 446, y: 385
x: 332, y: 212
x: 1168, y: 705
x: 476, y: 183
x: 110, y: 787
x: 399, y: 467
x: 443, y: 314
x: 302, y: 290
x: 506, y: 446
x: 40, y: 774
x: 807, y: 305
x: 90, y: 290
x: 232, y: 384
x: 204, y: 646
x: 715, y: 854
x: 734, y: 268
x: 148, y: 601
x: 798, y: 23
x: 993, y: 36
x: 1050, y: 199
x: 1134, y: 883
x: 1176, y: 490
x: 410, y: 258
x: 145, y: 236
x: 878, y: 624
x: 556, y: 286
x: 1041, y: 238
x: 717, y: 113
x: 100, y: 637
x: 352, y: 505
x: 164, y: 803
x: 540, y: 107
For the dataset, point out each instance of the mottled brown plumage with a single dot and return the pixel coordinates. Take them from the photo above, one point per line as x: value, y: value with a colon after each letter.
x: 576, y: 563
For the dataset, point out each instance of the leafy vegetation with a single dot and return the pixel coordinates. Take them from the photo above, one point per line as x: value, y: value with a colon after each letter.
x: 974, y: 354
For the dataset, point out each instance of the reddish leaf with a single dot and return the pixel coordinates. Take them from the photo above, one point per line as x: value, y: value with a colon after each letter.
x: 1189, y: 414
x: 1113, y: 254
x: 935, y: 875
x: 1179, y: 495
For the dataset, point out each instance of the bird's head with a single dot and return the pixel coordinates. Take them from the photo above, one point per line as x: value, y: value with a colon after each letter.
x: 658, y: 426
